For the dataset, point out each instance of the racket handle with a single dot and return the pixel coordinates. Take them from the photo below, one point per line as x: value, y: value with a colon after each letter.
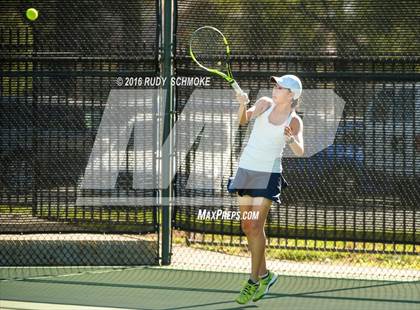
x: 237, y: 89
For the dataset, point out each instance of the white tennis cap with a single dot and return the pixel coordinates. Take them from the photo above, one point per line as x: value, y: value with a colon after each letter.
x: 291, y: 82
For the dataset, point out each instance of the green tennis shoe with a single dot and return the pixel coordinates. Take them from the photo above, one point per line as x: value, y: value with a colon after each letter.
x: 265, y: 285
x: 247, y: 292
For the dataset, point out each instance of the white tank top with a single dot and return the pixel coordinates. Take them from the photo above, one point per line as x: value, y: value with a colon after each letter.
x: 265, y: 146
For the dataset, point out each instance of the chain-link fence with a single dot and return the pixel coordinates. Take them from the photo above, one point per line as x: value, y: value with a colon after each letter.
x: 361, y: 193
x: 55, y: 80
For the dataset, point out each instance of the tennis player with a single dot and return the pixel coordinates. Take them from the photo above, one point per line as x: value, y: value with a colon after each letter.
x: 258, y: 180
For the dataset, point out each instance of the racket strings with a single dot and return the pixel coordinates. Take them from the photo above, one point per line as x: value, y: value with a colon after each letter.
x: 209, y: 49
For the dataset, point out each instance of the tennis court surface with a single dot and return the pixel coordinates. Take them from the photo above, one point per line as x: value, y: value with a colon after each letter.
x: 158, y: 288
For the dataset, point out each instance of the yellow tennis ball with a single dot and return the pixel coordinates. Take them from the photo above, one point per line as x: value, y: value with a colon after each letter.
x: 32, y: 14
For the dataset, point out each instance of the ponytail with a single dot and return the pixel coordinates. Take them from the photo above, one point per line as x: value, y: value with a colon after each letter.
x: 295, y: 103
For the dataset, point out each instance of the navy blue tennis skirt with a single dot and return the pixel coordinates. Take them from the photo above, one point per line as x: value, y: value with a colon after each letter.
x: 257, y: 184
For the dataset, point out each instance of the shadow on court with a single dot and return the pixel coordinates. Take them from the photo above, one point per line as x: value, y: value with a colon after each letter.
x: 156, y: 288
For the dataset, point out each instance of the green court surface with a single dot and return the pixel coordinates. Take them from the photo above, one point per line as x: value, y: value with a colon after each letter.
x: 159, y: 288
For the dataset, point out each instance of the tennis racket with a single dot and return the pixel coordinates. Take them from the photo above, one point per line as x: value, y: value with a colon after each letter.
x: 210, y: 50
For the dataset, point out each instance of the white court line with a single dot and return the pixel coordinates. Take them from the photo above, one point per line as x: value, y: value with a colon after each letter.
x: 99, y: 271
x: 22, y: 305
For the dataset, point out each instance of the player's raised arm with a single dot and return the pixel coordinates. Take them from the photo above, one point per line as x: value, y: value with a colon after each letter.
x: 244, y: 114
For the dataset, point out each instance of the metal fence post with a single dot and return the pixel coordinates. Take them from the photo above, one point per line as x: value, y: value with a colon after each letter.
x: 167, y: 7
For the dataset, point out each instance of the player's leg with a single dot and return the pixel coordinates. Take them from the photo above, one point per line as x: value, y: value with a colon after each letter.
x: 251, y: 286
x: 267, y: 278
x: 256, y: 235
